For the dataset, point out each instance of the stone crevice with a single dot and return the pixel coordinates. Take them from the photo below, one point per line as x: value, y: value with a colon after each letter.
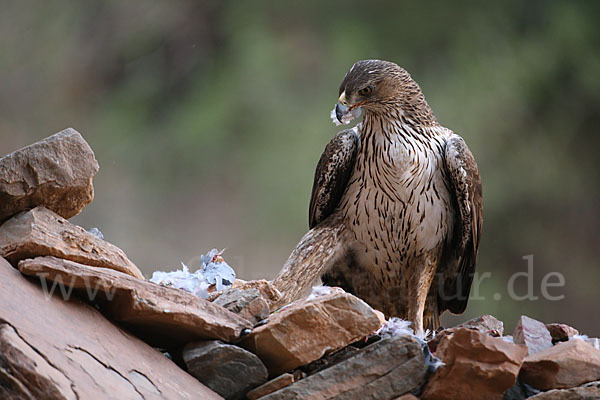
x: 4, y: 322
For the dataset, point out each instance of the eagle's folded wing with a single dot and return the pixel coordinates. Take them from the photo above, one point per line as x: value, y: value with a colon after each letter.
x: 332, y: 175
x: 461, y: 253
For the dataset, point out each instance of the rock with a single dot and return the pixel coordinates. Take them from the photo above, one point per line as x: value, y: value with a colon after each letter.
x: 561, y: 332
x: 165, y: 317
x: 383, y: 370
x: 41, y: 232
x: 477, y: 366
x: 330, y: 359
x: 56, y: 349
x: 486, y: 324
x: 588, y: 391
x: 533, y: 334
x: 565, y: 365
x: 407, y: 397
x: 594, y: 342
x: 56, y: 172
x: 309, y: 328
x: 25, y: 371
x: 227, y: 369
x: 519, y: 391
x: 266, y: 289
x: 248, y: 303
x: 273, y: 385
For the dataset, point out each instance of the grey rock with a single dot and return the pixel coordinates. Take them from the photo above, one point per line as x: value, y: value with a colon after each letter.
x: 533, y: 334
x: 227, y: 369
x: 248, y: 303
x: 383, y: 370
x: 519, y: 391
x: 589, y: 391
x: 56, y: 173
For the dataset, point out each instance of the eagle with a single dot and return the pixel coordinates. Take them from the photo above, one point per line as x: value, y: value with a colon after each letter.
x: 396, y: 207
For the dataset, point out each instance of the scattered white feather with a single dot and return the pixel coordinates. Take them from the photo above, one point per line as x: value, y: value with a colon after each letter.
x: 96, y: 232
x: 508, y: 339
x: 214, y: 273
x: 347, y: 118
x: 320, y: 291
x: 395, y: 326
x: 580, y: 337
x: 594, y: 342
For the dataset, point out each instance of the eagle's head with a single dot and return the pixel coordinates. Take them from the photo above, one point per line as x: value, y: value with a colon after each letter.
x: 377, y: 86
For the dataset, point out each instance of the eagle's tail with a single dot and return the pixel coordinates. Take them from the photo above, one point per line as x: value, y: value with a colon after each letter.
x: 314, y: 254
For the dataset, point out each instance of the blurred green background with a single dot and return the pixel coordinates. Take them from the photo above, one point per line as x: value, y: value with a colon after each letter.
x: 208, y: 118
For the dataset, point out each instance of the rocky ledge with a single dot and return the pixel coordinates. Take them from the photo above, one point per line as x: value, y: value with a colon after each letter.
x: 79, y: 321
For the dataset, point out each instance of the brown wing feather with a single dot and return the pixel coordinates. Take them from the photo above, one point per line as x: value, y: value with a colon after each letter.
x: 332, y: 175
x: 460, y: 256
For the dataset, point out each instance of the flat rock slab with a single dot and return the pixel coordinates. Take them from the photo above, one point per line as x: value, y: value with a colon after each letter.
x: 533, y: 334
x: 565, y: 365
x: 56, y: 172
x: 56, y: 349
x: 227, y: 369
x: 477, y: 366
x: 589, y: 391
x: 308, y: 329
x: 248, y: 303
x: 273, y: 385
x: 41, y: 232
x: 163, y: 316
x: 383, y: 370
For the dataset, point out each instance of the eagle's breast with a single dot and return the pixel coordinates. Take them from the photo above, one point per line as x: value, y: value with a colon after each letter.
x: 397, y: 204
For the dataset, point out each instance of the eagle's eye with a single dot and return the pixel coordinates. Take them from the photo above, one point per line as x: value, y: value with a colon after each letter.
x: 367, y: 90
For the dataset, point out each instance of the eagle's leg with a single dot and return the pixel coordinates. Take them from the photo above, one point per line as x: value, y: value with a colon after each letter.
x: 431, y: 315
x: 316, y: 252
x: 418, y: 289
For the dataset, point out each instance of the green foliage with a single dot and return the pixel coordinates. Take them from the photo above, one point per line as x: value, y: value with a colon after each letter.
x: 208, y: 119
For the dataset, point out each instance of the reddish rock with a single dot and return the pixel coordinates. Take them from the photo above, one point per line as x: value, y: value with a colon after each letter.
x: 248, y: 303
x: 477, y: 366
x: 594, y: 342
x: 56, y: 349
x: 486, y: 324
x: 565, y: 365
x: 24, y: 370
x: 309, y: 328
x: 41, y: 232
x: 383, y: 370
x: 273, y: 385
x: 163, y: 316
x: 533, y: 334
x: 56, y: 172
x: 561, y: 332
x: 227, y: 369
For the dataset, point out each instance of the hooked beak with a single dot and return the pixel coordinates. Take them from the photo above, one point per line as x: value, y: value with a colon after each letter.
x: 340, y: 111
x: 343, y: 112
x: 341, y: 108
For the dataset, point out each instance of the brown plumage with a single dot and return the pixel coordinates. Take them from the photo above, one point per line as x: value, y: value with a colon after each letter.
x: 396, y: 206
